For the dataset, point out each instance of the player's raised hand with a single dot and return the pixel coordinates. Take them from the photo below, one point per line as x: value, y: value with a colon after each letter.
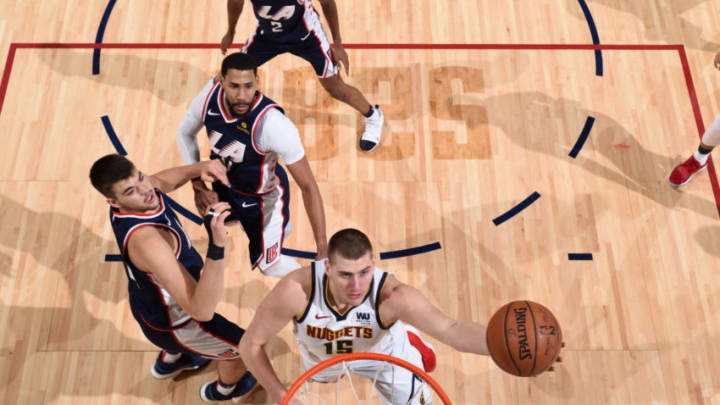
x: 340, y: 57
x: 213, y: 170
x: 215, y: 222
x: 717, y: 61
x: 204, y: 198
x: 226, y: 41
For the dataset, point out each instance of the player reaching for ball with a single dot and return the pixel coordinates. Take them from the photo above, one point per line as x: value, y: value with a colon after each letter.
x: 347, y: 305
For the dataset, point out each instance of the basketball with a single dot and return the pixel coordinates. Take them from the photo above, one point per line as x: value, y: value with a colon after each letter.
x: 524, y: 338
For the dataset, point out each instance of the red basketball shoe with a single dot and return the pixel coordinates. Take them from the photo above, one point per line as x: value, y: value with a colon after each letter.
x: 685, y: 171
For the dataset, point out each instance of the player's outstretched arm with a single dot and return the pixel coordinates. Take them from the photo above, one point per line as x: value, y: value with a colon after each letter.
x: 171, y: 179
x: 152, y: 249
x: 406, y: 303
x: 234, y: 9
x: 285, y: 301
x: 303, y: 176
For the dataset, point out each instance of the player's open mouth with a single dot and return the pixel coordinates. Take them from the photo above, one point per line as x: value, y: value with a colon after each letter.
x: 241, y: 108
x: 150, y: 199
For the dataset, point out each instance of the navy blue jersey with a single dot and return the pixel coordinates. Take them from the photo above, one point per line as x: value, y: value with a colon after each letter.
x: 149, y: 301
x: 282, y: 20
x: 250, y: 170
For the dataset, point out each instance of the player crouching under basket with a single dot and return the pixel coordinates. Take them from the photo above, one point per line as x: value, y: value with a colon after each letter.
x: 347, y: 305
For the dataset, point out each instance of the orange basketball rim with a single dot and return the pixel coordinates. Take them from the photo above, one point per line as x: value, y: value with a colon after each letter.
x: 365, y: 356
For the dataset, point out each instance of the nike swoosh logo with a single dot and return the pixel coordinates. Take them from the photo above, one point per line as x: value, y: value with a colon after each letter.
x: 210, y: 112
x: 321, y: 317
x: 248, y: 205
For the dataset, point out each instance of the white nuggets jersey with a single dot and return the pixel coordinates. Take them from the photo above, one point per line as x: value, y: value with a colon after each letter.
x: 323, y: 333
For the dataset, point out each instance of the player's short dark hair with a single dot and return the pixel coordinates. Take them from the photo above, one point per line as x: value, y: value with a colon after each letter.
x: 108, y: 170
x: 350, y: 244
x: 239, y: 61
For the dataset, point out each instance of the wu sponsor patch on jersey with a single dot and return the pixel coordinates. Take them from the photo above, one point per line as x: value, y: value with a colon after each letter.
x: 363, y: 318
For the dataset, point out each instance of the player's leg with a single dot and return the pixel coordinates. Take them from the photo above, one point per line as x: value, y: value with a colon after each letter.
x: 266, y: 225
x: 247, y: 209
x: 173, y: 358
x: 318, y: 55
x: 316, y: 50
x: 276, y: 228
x: 398, y: 385
x: 685, y: 171
x: 350, y: 95
x: 218, y: 339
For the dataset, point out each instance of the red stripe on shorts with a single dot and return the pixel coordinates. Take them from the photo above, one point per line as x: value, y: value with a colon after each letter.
x: 428, y: 355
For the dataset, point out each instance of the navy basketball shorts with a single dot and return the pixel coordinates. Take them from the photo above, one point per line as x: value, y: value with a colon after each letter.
x: 215, y: 339
x: 263, y: 217
x: 314, y: 48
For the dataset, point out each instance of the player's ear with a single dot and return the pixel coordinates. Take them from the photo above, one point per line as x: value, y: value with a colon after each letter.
x: 113, y: 203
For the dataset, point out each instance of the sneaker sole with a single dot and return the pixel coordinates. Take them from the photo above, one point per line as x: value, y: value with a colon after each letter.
x: 159, y: 376
x: 206, y: 399
x: 371, y: 149
x: 202, y: 393
x: 673, y: 185
x: 170, y: 375
x: 247, y: 394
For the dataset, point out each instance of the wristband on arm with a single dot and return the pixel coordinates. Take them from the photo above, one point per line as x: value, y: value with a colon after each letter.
x: 214, y: 252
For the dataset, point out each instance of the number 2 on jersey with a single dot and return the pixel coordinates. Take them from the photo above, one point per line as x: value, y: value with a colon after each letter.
x: 343, y: 347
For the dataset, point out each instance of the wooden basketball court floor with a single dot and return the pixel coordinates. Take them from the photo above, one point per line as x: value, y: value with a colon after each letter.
x: 472, y: 133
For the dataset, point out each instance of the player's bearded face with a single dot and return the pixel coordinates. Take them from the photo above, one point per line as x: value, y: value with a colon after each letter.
x: 350, y: 279
x: 135, y: 194
x: 240, y: 87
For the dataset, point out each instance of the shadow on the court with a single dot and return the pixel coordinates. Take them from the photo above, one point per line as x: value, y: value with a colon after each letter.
x: 5, y: 263
x: 656, y: 28
x: 707, y: 238
x: 164, y: 79
x: 631, y: 164
x: 86, y: 311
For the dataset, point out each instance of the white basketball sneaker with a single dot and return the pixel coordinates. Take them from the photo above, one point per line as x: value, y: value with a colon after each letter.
x: 370, y: 139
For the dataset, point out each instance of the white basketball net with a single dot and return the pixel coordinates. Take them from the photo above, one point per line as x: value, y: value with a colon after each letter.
x: 357, y: 391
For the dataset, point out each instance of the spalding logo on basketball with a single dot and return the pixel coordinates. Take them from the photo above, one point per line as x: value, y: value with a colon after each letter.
x: 524, y: 338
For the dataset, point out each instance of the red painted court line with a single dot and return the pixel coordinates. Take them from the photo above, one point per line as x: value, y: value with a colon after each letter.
x: 629, y: 47
x: 6, y: 75
x: 699, y: 122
